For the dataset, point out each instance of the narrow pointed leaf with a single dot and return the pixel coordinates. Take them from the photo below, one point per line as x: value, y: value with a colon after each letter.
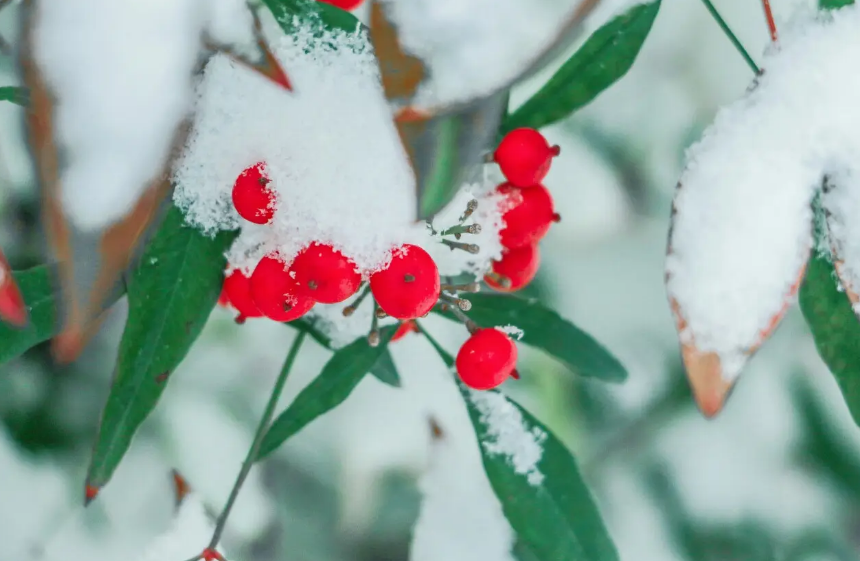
x: 18, y: 96
x: 341, y: 374
x: 834, y: 327
x: 602, y: 60
x: 554, y: 517
x: 544, y: 329
x: 385, y: 371
x: 170, y: 296
x: 40, y: 297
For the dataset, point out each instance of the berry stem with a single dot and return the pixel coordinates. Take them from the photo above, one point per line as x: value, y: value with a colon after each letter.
x: 460, y: 229
x: 349, y: 310
x: 443, y: 354
x: 265, y: 421
x: 732, y: 37
x: 373, y: 336
x: 771, y: 24
x: 468, y: 247
x: 470, y: 287
x: 471, y: 207
x: 460, y: 303
x: 470, y: 325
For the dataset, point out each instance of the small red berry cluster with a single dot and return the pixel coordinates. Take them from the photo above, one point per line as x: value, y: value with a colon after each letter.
x: 410, y: 285
x: 524, y: 157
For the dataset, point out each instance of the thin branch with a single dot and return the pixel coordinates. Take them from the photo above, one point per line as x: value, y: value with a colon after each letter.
x: 730, y: 34
x: 768, y: 15
x: 258, y: 439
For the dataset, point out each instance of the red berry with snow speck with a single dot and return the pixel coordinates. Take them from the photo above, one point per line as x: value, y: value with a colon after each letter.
x: 528, y: 213
x: 347, y: 5
x: 486, y: 359
x: 515, y: 270
x: 274, y: 291
x: 410, y: 286
x: 253, y: 199
x: 237, y: 289
x: 325, y: 274
x: 524, y: 157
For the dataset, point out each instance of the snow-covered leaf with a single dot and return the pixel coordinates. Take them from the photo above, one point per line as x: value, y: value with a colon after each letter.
x: 170, y: 296
x: 604, y: 58
x: 834, y: 326
x: 538, y: 483
x: 41, y: 300
x: 544, y: 329
x: 18, y: 96
x: 340, y: 375
x: 288, y: 12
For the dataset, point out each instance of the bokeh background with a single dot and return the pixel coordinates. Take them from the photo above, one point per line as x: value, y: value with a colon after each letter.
x: 775, y: 476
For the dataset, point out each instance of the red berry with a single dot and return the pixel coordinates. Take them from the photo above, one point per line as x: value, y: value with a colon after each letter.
x: 224, y: 298
x: 528, y: 214
x: 404, y: 329
x: 524, y: 156
x: 347, y: 5
x: 325, y: 274
x: 274, y: 291
x: 237, y: 287
x: 486, y: 359
x: 516, y: 269
x: 253, y: 200
x: 410, y: 286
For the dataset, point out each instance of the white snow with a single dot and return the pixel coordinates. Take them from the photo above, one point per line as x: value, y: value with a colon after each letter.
x: 508, y: 434
x: 192, y: 529
x: 121, y: 72
x: 512, y: 331
x: 331, y: 149
x: 461, y: 519
x: 743, y: 227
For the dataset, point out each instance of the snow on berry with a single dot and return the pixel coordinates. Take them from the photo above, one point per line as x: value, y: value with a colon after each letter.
x: 528, y: 214
x: 515, y: 270
x: 275, y: 291
x: 486, y: 359
x: 324, y: 274
x: 409, y: 286
x: 742, y: 229
x: 524, y: 156
x: 508, y: 435
x: 252, y: 198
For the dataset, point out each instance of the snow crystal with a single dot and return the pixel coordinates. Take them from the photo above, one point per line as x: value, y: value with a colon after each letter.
x: 743, y: 227
x: 461, y: 518
x: 512, y: 331
x: 333, y: 155
x: 508, y: 434
x: 119, y: 108
x: 192, y: 529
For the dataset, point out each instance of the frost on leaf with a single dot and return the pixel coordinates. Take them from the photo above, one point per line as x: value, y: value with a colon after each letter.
x: 742, y: 228
x: 460, y: 519
x: 512, y: 331
x: 508, y: 435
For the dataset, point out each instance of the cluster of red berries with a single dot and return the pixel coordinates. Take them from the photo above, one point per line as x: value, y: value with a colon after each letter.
x: 408, y: 288
x: 524, y: 157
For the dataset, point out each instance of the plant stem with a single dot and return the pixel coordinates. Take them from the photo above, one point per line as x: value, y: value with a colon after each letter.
x: 258, y: 438
x: 730, y: 34
x: 771, y: 24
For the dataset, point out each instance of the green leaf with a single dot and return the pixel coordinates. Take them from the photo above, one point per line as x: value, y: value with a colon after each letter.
x: 834, y: 4
x: 385, y: 371
x: 341, y: 374
x: 604, y: 58
x: 318, y: 14
x: 554, y: 515
x: 18, y: 96
x: 544, y: 329
x: 170, y: 296
x: 38, y: 292
x: 834, y: 327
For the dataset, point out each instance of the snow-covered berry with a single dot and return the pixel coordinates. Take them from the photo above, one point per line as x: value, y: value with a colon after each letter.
x: 409, y: 287
x: 528, y: 214
x: 253, y: 199
x: 486, y: 359
x: 325, y: 274
x: 274, y: 291
x: 347, y: 5
x: 237, y: 288
x: 524, y: 157
x: 515, y: 270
